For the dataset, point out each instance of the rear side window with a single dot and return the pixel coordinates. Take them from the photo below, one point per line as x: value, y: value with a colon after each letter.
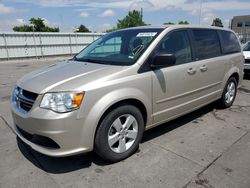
x: 207, y: 43
x: 230, y: 42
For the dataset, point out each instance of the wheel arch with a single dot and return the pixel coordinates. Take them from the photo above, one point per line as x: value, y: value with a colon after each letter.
x: 233, y: 72
x: 236, y: 76
x: 131, y: 101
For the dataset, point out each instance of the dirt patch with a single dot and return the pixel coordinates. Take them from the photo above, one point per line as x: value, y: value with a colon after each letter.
x: 20, y: 66
x: 203, y: 182
x: 215, y: 114
x: 245, y: 90
x: 5, y: 98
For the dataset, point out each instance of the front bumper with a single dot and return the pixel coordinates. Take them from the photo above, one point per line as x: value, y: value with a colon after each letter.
x: 65, y: 129
x: 247, y: 66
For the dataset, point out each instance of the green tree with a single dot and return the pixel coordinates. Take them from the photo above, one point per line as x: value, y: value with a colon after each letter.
x: 38, y: 25
x: 23, y: 28
x: 169, y: 23
x: 82, y: 29
x: 217, y: 22
x: 133, y: 19
x: 183, y: 22
x: 111, y: 30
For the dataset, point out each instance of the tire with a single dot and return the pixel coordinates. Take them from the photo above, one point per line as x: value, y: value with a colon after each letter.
x: 228, y: 96
x: 114, y: 142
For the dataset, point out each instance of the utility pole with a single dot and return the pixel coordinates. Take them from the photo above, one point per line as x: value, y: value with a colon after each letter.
x: 141, y: 14
x: 200, y: 12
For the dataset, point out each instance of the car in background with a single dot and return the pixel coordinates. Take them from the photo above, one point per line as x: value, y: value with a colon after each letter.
x: 246, y: 52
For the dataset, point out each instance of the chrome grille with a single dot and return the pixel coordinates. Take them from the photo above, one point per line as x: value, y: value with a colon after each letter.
x: 25, y: 99
x: 247, y: 61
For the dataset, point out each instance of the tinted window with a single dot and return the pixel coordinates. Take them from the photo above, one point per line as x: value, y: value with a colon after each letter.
x: 239, y: 24
x: 230, y: 42
x: 247, y: 23
x: 207, y: 43
x: 176, y: 43
x: 247, y: 47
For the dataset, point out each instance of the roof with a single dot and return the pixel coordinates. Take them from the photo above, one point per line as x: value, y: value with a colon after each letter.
x: 178, y: 26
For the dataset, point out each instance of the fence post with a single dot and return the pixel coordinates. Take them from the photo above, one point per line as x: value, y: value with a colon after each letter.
x: 41, y: 45
x: 6, y: 47
x: 76, y: 38
x: 70, y: 44
x: 26, y: 53
x: 34, y: 40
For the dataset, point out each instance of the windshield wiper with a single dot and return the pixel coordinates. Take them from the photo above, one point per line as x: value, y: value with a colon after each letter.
x: 89, y: 60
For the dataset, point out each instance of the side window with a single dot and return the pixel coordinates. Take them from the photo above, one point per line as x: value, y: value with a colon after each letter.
x: 247, y: 24
x: 239, y: 24
x: 207, y: 43
x: 230, y: 42
x: 176, y: 43
x: 247, y: 47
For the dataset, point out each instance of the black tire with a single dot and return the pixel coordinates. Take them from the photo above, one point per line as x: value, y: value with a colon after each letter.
x: 102, y: 146
x: 223, y: 102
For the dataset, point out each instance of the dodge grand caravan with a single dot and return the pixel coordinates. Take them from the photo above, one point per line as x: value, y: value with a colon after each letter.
x: 124, y: 83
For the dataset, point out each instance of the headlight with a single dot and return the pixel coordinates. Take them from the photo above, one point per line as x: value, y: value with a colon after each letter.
x: 15, y: 94
x: 62, y: 102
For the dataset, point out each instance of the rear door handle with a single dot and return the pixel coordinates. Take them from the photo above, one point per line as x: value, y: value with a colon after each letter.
x: 191, y: 71
x: 203, y: 68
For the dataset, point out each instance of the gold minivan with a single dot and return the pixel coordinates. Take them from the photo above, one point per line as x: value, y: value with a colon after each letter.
x: 122, y: 84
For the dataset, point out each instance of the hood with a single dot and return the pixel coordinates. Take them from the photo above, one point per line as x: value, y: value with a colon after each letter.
x: 65, y: 76
x: 246, y: 54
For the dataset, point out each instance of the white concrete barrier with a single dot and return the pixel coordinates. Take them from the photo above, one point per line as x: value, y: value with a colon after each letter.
x: 22, y: 44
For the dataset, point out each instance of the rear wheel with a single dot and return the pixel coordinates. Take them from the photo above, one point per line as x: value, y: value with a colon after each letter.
x: 119, y: 133
x: 229, y: 93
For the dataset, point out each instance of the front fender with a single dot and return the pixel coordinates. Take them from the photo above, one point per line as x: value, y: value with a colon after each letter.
x: 105, y: 102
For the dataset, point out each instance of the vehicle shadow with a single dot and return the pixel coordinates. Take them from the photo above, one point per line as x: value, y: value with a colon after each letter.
x: 176, y: 123
x: 59, y: 165
x: 67, y: 164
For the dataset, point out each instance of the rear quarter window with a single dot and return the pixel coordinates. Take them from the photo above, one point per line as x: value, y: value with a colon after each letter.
x: 207, y: 43
x: 230, y: 43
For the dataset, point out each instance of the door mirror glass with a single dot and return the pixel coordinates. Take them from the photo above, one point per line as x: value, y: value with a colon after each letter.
x: 163, y: 60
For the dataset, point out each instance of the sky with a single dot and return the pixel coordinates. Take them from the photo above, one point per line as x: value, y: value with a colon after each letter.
x: 100, y: 15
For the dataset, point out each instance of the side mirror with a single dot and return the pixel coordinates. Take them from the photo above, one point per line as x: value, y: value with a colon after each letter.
x: 163, y: 60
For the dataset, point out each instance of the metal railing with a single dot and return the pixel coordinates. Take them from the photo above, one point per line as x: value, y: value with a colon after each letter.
x: 32, y: 44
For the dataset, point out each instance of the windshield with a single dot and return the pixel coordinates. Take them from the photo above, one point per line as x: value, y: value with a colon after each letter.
x: 119, y: 48
x: 247, y: 47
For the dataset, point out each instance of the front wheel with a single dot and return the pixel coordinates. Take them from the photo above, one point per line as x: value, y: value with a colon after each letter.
x: 229, y: 93
x: 119, y: 133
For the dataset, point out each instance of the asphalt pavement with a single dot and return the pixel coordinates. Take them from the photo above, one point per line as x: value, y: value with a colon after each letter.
x: 209, y: 148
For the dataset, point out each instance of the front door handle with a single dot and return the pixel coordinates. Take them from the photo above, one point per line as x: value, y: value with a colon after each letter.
x: 203, y: 68
x: 191, y: 71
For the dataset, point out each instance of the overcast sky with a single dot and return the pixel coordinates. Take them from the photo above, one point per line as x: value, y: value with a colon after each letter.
x: 99, y: 15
